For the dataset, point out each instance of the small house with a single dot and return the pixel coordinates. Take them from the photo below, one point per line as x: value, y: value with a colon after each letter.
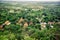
x: 25, y: 25
x: 43, y: 25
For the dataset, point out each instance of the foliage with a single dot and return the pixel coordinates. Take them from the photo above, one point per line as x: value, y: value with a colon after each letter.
x: 32, y: 32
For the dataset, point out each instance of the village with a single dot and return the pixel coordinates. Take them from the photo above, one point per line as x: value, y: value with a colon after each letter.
x: 35, y: 23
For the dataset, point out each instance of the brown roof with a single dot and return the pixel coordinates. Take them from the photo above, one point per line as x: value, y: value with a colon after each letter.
x: 20, y: 20
x: 25, y: 24
x: 51, y: 22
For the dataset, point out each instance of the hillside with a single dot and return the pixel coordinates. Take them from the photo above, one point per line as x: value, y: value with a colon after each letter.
x: 29, y: 20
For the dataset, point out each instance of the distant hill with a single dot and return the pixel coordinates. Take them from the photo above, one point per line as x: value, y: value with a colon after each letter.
x: 30, y: 2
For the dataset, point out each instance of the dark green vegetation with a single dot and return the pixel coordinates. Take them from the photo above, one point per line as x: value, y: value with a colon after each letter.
x: 33, y: 17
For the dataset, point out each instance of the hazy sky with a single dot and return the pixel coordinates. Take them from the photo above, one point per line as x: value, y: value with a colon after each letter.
x: 30, y: 0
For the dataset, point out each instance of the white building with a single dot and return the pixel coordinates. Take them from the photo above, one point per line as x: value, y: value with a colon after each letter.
x: 43, y: 25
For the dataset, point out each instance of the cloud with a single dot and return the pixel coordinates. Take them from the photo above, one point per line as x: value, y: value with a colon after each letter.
x: 30, y: 0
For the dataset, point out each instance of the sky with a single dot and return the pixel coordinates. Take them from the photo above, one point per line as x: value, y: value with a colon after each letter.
x: 29, y: 0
